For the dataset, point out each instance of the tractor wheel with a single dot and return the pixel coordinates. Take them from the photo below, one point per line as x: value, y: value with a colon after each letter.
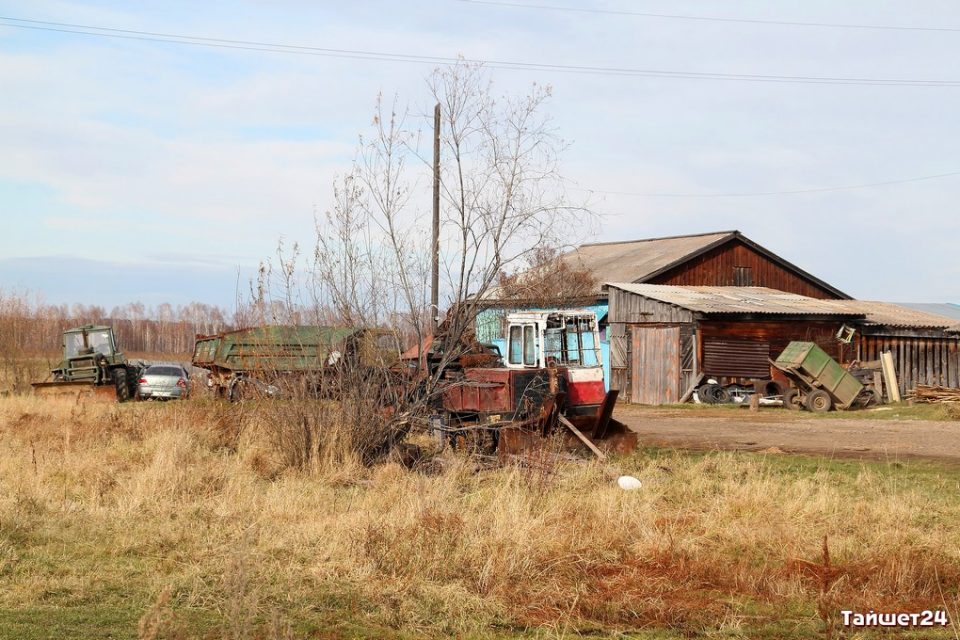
x: 819, y: 401
x: 792, y: 399
x: 121, y: 384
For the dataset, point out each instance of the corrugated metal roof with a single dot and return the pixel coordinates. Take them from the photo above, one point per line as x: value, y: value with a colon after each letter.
x: 760, y: 300
x: 636, y: 259
x: 895, y: 315
x: 754, y: 300
x: 939, y: 308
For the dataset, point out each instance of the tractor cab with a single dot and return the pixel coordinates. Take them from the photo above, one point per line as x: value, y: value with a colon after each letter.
x: 88, y: 352
x: 540, y: 339
x: 568, y: 340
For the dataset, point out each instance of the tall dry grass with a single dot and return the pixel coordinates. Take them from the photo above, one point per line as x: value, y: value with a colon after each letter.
x: 193, y: 517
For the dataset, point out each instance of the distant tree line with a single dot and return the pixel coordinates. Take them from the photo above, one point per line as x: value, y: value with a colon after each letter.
x: 30, y: 328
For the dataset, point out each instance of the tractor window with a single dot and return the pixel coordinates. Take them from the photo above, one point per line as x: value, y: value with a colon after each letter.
x: 573, y: 343
x: 516, y: 344
x: 591, y: 351
x: 529, y: 346
x: 553, y: 345
x: 73, y: 343
x: 580, y: 345
x: 100, y: 342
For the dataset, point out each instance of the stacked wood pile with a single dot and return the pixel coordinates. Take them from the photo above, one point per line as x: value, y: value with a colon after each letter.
x: 934, y: 394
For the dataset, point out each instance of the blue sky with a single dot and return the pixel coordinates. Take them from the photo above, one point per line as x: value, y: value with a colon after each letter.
x: 176, y: 168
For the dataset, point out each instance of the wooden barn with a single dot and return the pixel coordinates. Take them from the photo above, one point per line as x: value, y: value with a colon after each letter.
x: 719, y: 259
x: 663, y: 337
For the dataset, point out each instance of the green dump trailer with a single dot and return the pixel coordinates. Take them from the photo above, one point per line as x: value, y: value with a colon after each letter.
x: 261, y: 361
x: 819, y: 382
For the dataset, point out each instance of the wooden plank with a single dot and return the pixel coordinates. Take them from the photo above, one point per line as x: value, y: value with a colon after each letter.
x: 672, y: 369
x: 890, y: 376
x: 953, y: 366
x: 942, y: 362
x: 693, y: 387
x: 584, y: 439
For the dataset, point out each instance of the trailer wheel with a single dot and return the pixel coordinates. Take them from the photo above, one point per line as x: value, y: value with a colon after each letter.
x: 121, y: 384
x: 819, y: 401
x: 793, y: 399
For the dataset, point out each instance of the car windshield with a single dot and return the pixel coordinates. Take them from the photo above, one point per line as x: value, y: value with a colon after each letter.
x: 159, y: 370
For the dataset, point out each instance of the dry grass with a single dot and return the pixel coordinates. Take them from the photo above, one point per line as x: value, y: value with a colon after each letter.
x: 185, y: 520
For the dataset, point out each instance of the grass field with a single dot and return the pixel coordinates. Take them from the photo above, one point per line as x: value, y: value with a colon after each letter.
x: 182, y: 520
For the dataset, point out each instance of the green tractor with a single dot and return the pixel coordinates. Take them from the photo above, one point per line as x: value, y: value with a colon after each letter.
x: 91, y: 365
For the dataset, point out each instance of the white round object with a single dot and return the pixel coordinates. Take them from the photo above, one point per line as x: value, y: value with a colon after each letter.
x: 628, y: 483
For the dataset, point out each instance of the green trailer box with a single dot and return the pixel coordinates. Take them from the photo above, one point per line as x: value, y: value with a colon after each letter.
x: 806, y: 363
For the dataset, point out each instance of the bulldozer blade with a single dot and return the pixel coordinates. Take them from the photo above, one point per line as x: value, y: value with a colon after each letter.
x: 80, y: 391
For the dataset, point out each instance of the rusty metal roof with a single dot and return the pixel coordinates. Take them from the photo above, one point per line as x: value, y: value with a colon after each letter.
x: 894, y: 315
x: 635, y: 260
x: 721, y: 300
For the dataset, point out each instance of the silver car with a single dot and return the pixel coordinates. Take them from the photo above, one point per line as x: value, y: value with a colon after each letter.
x: 163, y: 382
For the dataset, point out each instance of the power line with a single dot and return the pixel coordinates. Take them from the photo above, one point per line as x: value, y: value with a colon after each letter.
x: 248, y: 45
x: 773, y: 193
x: 673, y: 16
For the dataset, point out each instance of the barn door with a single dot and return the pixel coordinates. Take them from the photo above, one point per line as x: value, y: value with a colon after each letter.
x: 655, y: 365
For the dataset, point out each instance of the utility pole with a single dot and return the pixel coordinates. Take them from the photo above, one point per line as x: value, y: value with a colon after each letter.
x: 435, y: 267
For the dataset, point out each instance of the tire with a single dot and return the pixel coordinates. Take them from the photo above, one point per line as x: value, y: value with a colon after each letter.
x: 793, y: 399
x: 768, y: 388
x: 122, y: 384
x: 819, y: 401
x: 870, y: 398
x: 721, y: 395
x: 707, y: 393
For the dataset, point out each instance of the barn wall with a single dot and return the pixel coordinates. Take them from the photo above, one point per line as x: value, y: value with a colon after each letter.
x: 917, y: 359
x: 776, y: 334
x: 718, y: 268
x: 628, y: 310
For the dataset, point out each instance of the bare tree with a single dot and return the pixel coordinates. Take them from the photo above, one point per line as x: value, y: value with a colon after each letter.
x: 502, y: 199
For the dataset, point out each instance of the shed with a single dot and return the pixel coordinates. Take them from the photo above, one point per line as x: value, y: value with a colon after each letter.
x: 662, y: 337
x: 924, y: 344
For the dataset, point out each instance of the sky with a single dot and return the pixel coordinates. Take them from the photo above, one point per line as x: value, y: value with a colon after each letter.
x: 134, y: 170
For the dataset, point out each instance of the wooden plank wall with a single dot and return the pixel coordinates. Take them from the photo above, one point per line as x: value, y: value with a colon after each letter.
x: 626, y: 307
x: 717, y: 268
x: 626, y: 369
x: 655, y: 365
x: 918, y: 360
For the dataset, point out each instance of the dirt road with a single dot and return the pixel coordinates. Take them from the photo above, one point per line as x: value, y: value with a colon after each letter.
x: 776, y: 429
